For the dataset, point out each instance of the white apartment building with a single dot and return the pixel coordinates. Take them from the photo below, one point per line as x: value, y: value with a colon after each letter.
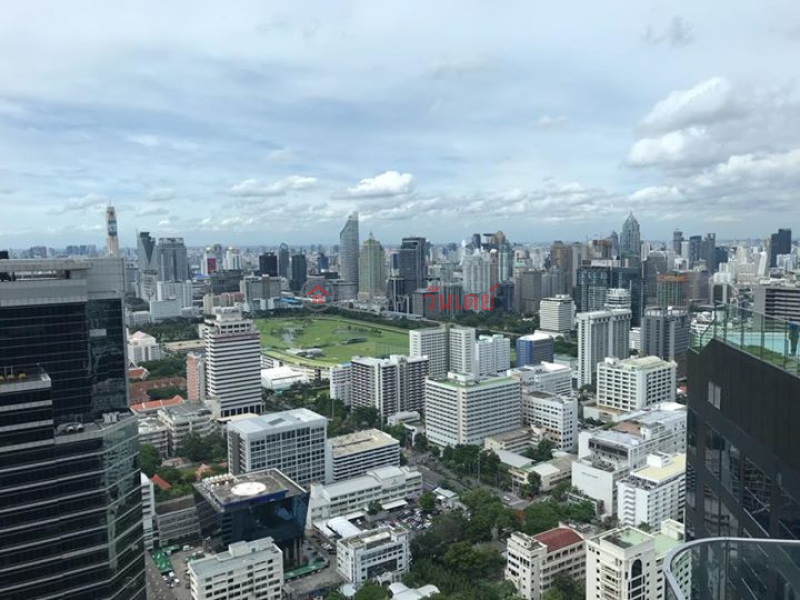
x: 461, y: 349
x: 292, y: 441
x: 654, y: 493
x: 247, y: 570
x: 390, y: 385
x: 354, y: 454
x: 464, y: 410
x: 556, y: 314
x: 142, y: 348
x: 606, y: 456
x: 556, y: 414
x: 381, y: 553
x: 339, y: 383
x: 184, y: 419
x: 544, y: 377
x: 627, y: 563
x: 148, y: 511
x: 492, y: 355
x: 389, y: 486
x: 154, y: 433
x: 233, y: 363
x: 175, y: 290
x: 433, y: 343
x: 601, y: 334
x: 635, y: 383
x: 534, y: 560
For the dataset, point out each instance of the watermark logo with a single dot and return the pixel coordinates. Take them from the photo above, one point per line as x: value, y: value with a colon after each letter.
x: 317, y: 295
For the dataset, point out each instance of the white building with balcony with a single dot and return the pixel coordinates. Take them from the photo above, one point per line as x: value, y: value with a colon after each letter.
x: 653, y: 493
x: 534, y: 560
x: 379, y: 554
x: 635, y: 383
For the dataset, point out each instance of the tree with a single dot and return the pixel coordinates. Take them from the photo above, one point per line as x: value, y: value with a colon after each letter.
x: 149, y: 459
x: 435, y: 451
x: 420, y: 442
x: 644, y: 526
x: 534, y: 483
x: 371, y: 591
x: 540, y: 516
x: 542, y: 452
x: 560, y: 490
x: 374, y: 508
x: 564, y: 587
x: 427, y: 502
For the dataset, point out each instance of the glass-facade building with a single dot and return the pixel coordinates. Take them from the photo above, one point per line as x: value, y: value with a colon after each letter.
x: 70, y: 499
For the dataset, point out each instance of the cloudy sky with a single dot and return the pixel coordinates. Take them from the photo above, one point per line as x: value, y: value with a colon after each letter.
x: 263, y: 122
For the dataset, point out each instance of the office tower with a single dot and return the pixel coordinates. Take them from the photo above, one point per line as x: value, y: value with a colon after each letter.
x: 148, y: 511
x: 147, y: 253
x: 268, y: 264
x: 390, y: 385
x: 601, y: 334
x: 653, y: 493
x: 299, y: 272
x: 492, y: 355
x: 561, y: 256
x: 247, y: 507
x: 779, y: 243
x: 112, y: 240
x: 673, y: 289
x: 534, y: 348
x: 463, y: 410
x: 528, y: 291
x: 323, y: 264
x: 505, y: 265
x: 618, y: 298
x: 372, y: 267
x: 592, y: 287
x: 433, y: 343
x: 546, y: 377
x: 556, y: 314
x: 212, y: 260
x: 246, y: 570
x: 292, y: 441
x: 777, y: 300
x: 613, y: 239
x: 627, y: 563
x: 630, y: 242
x: 413, y: 263
x: 656, y: 263
x: 70, y: 489
x: 477, y: 273
x: 353, y: 454
x: 233, y: 363
x: 372, y: 553
x: 665, y: 333
x: 635, y: 383
x: 708, y: 252
x: 173, y: 264
x: 695, y: 250
x: 677, y: 242
x: 348, y: 251
x: 535, y: 560
x: 554, y: 414
x: 283, y: 261
x: 460, y: 349
x: 196, y: 376
x: 475, y: 241
x: 339, y: 383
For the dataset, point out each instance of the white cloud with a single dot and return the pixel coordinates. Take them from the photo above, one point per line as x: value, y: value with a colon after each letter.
x: 672, y: 148
x: 677, y: 33
x: 144, y: 139
x: 280, y: 155
x: 85, y: 202
x: 385, y: 185
x: 550, y: 121
x: 161, y: 194
x: 253, y: 188
x: 708, y: 101
x: 149, y: 211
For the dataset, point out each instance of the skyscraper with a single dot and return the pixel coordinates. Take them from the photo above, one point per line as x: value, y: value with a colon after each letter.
x: 70, y: 490
x: 173, y: 264
x: 283, y: 261
x: 708, y: 252
x: 147, y: 252
x: 299, y: 272
x: 413, y: 263
x: 677, y: 241
x: 112, y: 241
x: 779, y: 243
x: 630, y: 242
x: 268, y: 264
x: 695, y: 254
x: 348, y: 251
x: 477, y: 269
x: 601, y: 334
x: 665, y: 333
x: 371, y: 267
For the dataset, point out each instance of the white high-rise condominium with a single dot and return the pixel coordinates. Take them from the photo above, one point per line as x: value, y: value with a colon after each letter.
x: 348, y: 251
x: 463, y: 410
x: 233, y: 363
x: 492, y: 355
x: 391, y: 385
x: 557, y: 415
x: 112, y: 241
x: 634, y: 383
x: 556, y: 314
x: 462, y: 349
x: 654, y: 493
x: 601, y: 334
x: 431, y: 342
x: 372, y: 267
x: 477, y: 270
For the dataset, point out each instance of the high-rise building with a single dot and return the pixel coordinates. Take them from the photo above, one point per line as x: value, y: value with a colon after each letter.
x: 534, y: 348
x: 299, y: 272
x: 232, y: 260
x: 283, y: 261
x: 348, y: 251
x: 70, y: 488
x: 618, y: 298
x: 390, y: 385
x: 173, y: 264
x: 601, y: 334
x: 339, y: 383
x: 492, y: 355
x: 695, y: 250
x: 528, y: 291
x: 477, y: 268
x: 291, y: 441
x: 546, y: 377
x: 233, y: 363
x: 561, y: 256
x: 112, y: 239
x: 665, y: 333
x: 557, y: 314
x: 779, y: 243
x: 464, y: 410
x: 677, y: 242
x: 556, y: 415
x: 196, y: 376
x: 147, y: 253
x: 432, y: 342
x: 777, y: 300
x: 413, y: 263
x: 461, y: 353
x: 653, y: 493
x: 708, y: 252
x: 630, y: 242
x: 268, y: 264
x: 353, y: 454
x: 673, y: 289
x: 535, y: 560
x: 372, y: 267
x: 635, y: 383
x: 245, y: 570
x: 148, y: 511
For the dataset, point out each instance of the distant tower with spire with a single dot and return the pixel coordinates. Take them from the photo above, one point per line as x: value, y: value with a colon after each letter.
x: 112, y: 240
x: 630, y: 242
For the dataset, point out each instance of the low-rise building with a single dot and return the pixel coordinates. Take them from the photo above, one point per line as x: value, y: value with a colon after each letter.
x: 516, y: 440
x: 354, y: 454
x: 552, y: 377
x: 379, y: 554
x: 389, y: 486
x: 154, y: 433
x: 281, y: 378
x: 653, y: 493
x: 551, y: 472
x: 245, y: 570
x: 556, y: 414
x: 534, y: 560
x: 184, y: 419
x: 401, y: 591
x: 142, y: 348
x: 177, y: 521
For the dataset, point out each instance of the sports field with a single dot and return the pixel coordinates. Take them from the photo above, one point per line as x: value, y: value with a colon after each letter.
x: 338, y: 338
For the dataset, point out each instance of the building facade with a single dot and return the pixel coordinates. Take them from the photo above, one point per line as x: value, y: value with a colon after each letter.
x: 535, y: 348
x: 432, y: 342
x: 534, y: 560
x: 378, y: 554
x: 348, y: 252
x: 391, y: 385
x: 555, y: 414
x: 635, y: 383
x: 653, y: 493
x: 353, y: 454
x: 601, y: 334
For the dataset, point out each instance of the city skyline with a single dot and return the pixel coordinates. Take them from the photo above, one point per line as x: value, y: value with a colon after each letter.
x: 497, y: 121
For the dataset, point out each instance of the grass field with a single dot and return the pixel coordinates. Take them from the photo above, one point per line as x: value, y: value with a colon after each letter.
x: 330, y: 335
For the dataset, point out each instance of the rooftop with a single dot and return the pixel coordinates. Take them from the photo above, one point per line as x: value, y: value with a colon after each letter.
x: 228, y: 489
x: 644, y: 363
x: 662, y: 470
x: 626, y: 538
x: 373, y: 537
x: 536, y: 336
x: 237, y: 552
x: 360, y: 441
x: 151, y: 405
x: 278, y: 421
x: 558, y: 538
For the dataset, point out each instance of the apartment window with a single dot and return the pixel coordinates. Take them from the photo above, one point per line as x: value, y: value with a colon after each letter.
x: 757, y: 492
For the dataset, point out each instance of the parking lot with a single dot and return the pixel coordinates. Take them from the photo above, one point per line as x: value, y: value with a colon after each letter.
x: 175, y: 588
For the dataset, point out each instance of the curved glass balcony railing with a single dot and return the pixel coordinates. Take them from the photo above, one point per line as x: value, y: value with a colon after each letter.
x: 733, y: 569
